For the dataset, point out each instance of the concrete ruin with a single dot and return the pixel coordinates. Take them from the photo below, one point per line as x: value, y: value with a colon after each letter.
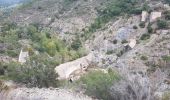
x: 67, y: 69
x: 154, y: 16
x: 23, y: 56
x: 144, y: 16
x: 130, y: 45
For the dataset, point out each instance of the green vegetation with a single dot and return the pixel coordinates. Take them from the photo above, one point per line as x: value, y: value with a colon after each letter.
x: 142, y: 25
x: 109, y: 52
x: 145, y: 36
x: 150, y: 29
x: 166, y: 58
x: 146, y: 7
x: 115, y: 41
x: 9, y: 37
x: 166, y: 96
x: 112, y: 10
x: 98, y: 83
x: 135, y: 27
x: 37, y: 72
x: 162, y: 24
x: 124, y: 41
x: 38, y: 40
x: 144, y: 58
x: 76, y: 44
x: 167, y: 15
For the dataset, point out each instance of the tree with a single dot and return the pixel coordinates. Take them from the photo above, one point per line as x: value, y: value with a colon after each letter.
x: 98, y: 83
x: 162, y: 24
x: 76, y: 44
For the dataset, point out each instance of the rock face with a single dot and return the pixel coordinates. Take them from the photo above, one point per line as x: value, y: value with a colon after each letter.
x: 65, y: 70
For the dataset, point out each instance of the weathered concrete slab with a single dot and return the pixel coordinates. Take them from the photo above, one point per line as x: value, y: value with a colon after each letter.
x: 65, y: 70
x: 23, y: 56
x: 154, y: 16
x: 144, y: 16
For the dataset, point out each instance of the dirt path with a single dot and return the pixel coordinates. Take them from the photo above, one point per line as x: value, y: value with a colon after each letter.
x: 41, y: 94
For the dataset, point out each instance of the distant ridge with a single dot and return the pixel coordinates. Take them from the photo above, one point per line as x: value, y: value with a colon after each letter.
x: 6, y: 3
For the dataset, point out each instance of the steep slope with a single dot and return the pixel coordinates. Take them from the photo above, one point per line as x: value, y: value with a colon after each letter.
x: 143, y: 66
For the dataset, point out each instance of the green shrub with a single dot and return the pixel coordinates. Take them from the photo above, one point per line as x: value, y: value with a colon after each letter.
x: 38, y: 72
x: 146, y: 7
x: 112, y: 10
x: 162, y: 24
x: 166, y: 96
x: 136, y: 11
x: 135, y: 27
x: 109, y: 52
x: 115, y: 41
x: 76, y: 44
x: 98, y: 83
x: 166, y: 58
x: 145, y: 37
x: 142, y: 25
x: 124, y: 41
x: 50, y: 48
x: 167, y: 15
x: 150, y: 29
x: 144, y: 58
x: 12, y: 53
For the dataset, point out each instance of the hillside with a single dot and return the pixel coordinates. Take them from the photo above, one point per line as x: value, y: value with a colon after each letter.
x: 105, y: 49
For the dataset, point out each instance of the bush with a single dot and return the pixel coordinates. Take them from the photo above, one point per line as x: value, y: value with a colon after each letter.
x: 124, y: 41
x: 142, y: 25
x: 144, y: 58
x: 146, y: 7
x: 167, y: 15
x: 98, y: 83
x: 109, y: 52
x: 38, y: 72
x: 136, y: 11
x: 166, y: 96
x: 76, y: 44
x: 166, y: 58
x: 145, y: 36
x: 162, y: 24
x: 150, y: 30
x: 135, y: 27
x: 115, y: 41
